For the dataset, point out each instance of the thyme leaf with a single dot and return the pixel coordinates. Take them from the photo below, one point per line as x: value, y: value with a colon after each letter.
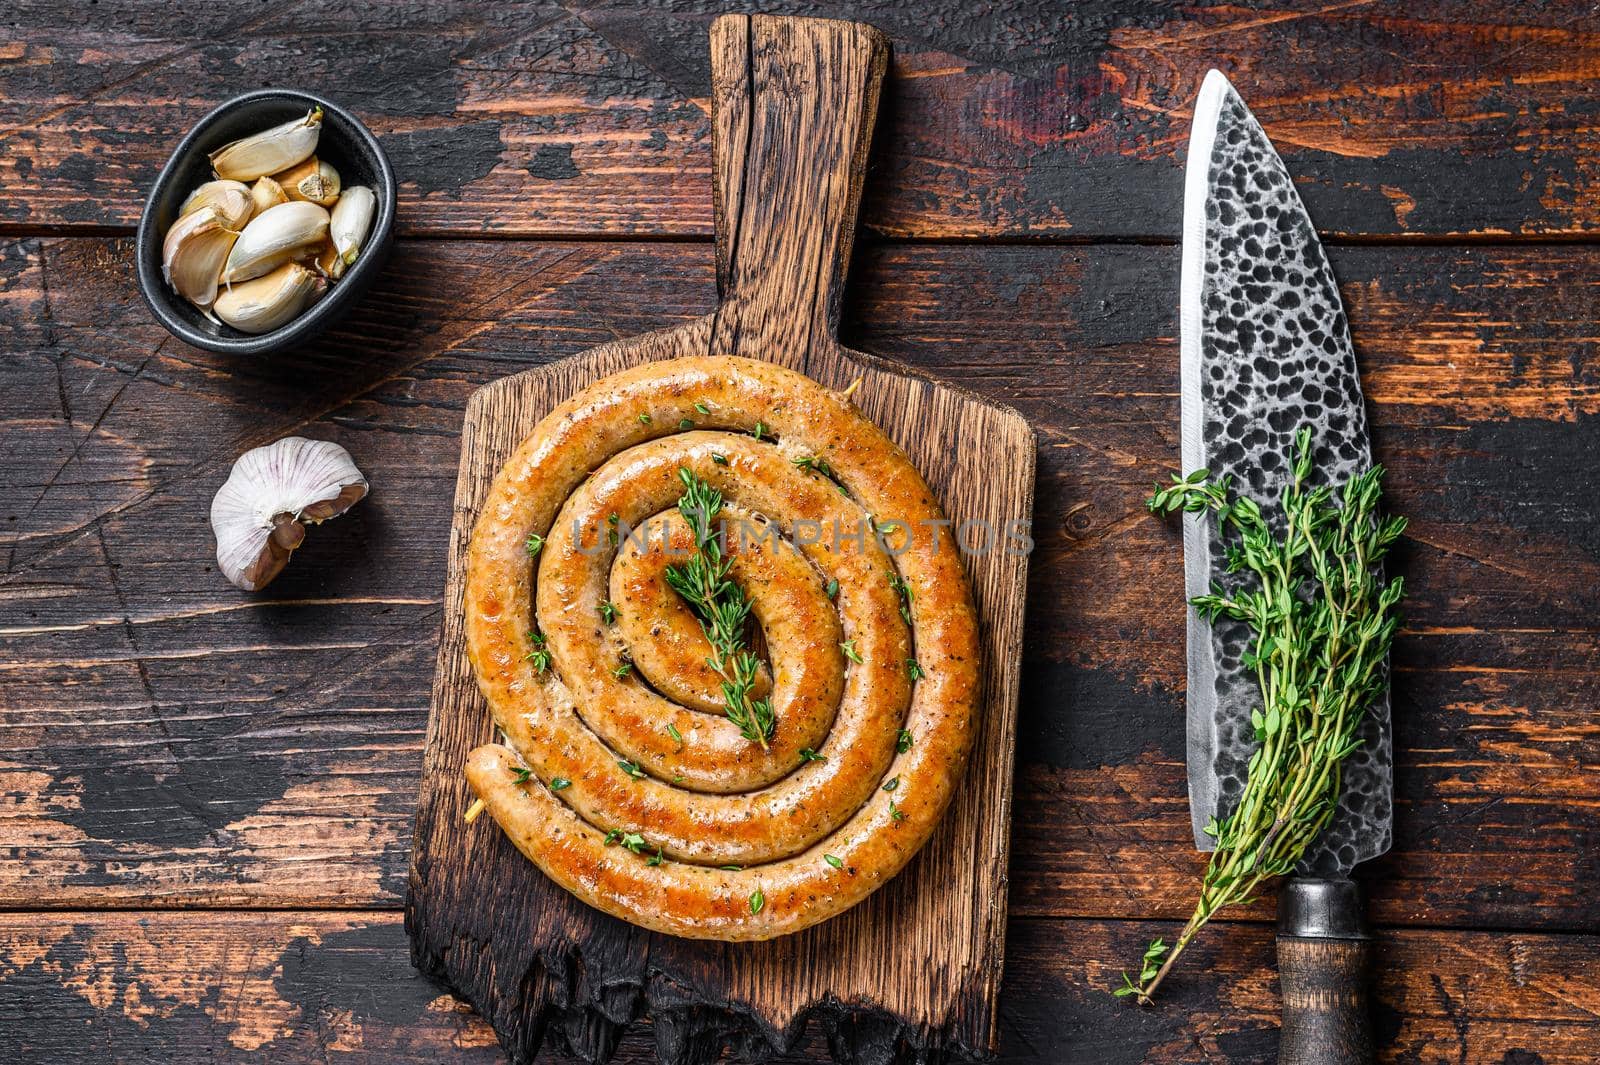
x: 1321, y: 619
x: 723, y: 610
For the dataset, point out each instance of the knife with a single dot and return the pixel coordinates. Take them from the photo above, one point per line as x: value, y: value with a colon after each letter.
x: 1265, y: 351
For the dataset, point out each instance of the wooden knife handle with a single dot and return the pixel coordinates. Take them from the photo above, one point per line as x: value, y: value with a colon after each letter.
x: 793, y: 101
x: 1323, y: 951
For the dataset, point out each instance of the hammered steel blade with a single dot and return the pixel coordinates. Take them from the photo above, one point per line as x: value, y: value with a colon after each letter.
x: 1265, y: 350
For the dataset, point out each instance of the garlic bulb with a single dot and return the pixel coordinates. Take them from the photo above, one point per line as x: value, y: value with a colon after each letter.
x: 275, y: 236
x: 230, y: 199
x: 276, y: 149
x: 351, y: 221
x: 193, y: 253
x: 258, y: 514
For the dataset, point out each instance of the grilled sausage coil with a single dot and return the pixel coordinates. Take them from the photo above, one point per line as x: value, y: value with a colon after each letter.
x: 859, y: 594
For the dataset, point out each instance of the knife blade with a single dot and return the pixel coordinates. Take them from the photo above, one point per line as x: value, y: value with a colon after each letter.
x: 1265, y: 350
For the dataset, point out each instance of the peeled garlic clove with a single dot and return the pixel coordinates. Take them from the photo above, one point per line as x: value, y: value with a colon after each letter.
x: 258, y: 514
x: 273, y: 237
x: 231, y: 199
x: 312, y: 180
x: 262, y: 305
x: 193, y: 253
x: 327, y: 262
x: 265, y: 194
x: 351, y: 221
x: 276, y: 149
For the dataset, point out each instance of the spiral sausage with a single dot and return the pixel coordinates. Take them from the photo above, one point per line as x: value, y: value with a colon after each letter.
x: 622, y: 779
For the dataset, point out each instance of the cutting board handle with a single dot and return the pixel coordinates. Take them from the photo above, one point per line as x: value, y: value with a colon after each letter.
x: 793, y: 104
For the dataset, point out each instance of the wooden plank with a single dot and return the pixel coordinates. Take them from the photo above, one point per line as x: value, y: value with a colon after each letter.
x: 1043, y: 121
x: 332, y: 988
x: 914, y: 964
x: 298, y: 717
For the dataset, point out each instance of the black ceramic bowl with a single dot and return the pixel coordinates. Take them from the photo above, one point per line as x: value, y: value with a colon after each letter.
x: 344, y: 142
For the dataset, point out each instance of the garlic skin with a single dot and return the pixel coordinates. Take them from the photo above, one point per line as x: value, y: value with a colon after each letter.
x: 270, y: 151
x: 230, y: 199
x: 264, y: 194
x: 350, y: 224
x: 275, y: 236
x: 259, y: 513
x: 265, y: 303
x: 312, y: 180
x: 193, y: 253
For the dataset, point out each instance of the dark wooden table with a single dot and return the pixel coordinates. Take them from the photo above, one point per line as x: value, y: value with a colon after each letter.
x: 206, y: 797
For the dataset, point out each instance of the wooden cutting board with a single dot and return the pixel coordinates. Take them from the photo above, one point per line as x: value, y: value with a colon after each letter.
x: 913, y: 972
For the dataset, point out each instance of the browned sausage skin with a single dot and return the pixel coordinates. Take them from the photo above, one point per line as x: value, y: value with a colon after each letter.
x: 811, y: 837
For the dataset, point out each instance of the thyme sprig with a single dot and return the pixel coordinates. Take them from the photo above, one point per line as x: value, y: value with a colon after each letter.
x: 723, y: 610
x: 1322, y: 619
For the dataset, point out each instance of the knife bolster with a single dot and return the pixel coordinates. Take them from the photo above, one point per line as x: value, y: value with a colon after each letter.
x: 1323, y: 949
x: 1321, y: 909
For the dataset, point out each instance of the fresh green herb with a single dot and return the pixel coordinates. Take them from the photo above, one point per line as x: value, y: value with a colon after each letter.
x: 521, y: 776
x: 535, y: 544
x: 1321, y: 619
x: 702, y: 408
x: 540, y: 655
x: 559, y: 783
x: 731, y: 868
x: 1149, y: 970
x: 723, y: 610
x: 837, y: 863
x: 633, y: 841
x: 645, y: 419
x: 850, y: 652
x: 915, y: 671
x: 720, y: 460
x: 898, y: 583
x: 608, y: 611
x: 758, y: 431
x: 677, y: 778
x: 894, y: 782
x: 813, y: 462
x: 612, y: 836
x: 611, y: 532
x: 631, y: 768
x: 654, y: 859
x: 757, y: 901
x: 685, y: 423
x: 808, y: 755
x: 895, y: 812
x: 677, y: 737
x: 903, y: 741
x: 833, y: 589
x: 622, y: 670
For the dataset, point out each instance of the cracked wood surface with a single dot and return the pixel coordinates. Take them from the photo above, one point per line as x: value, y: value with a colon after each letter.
x: 1018, y: 118
x: 320, y: 987
x: 168, y: 745
x: 171, y: 742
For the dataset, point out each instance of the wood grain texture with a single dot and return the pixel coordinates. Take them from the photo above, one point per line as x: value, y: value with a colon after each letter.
x: 1033, y: 119
x: 165, y: 742
x: 914, y: 969
x: 337, y: 988
x: 170, y: 742
x: 1323, y: 986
